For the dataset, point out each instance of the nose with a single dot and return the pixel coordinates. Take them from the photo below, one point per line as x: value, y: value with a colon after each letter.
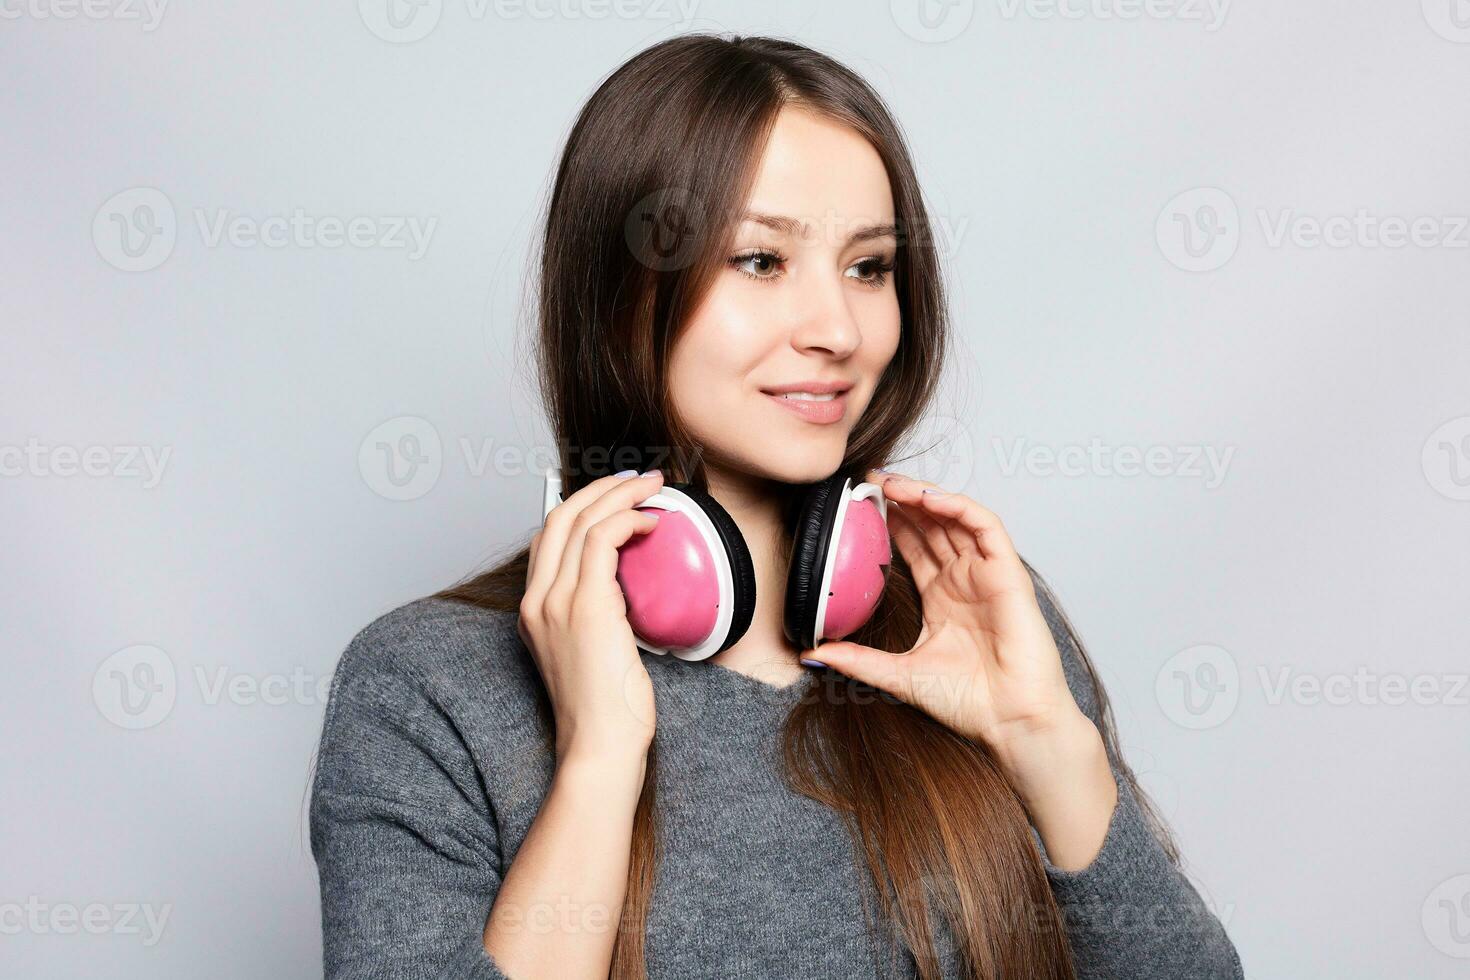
x: 824, y: 321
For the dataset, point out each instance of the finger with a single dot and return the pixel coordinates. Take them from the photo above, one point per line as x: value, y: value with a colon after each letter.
x: 910, y: 492
x: 886, y: 671
x: 556, y: 530
x: 531, y: 556
x: 903, y: 489
x: 941, y: 545
x: 981, y: 525
x: 913, y: 546
x: 599, y: 571
x: 621, y: 497
x: 909, y: 532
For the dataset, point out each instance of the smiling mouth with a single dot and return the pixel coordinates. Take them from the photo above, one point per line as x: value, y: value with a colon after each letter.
x: 807, y: 396
x: 822, y: 408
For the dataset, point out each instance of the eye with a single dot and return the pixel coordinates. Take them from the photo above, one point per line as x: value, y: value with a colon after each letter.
x: 765, y: 263
x: 875, y: 270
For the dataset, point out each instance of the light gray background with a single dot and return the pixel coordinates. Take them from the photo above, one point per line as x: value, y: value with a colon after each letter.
x: 1328, y: 830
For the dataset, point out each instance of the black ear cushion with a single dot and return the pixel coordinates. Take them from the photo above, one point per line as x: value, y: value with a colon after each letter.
x: 810, y: 540
x: 741, y: 568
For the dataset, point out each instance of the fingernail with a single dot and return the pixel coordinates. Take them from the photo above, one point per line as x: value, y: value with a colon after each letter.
x: 812, y: 663
x: 621, y: 474
x: 931, y: 490
x: 651, y: 472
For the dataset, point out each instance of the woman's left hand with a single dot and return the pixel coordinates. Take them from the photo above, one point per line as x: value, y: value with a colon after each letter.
x: 986, y: 665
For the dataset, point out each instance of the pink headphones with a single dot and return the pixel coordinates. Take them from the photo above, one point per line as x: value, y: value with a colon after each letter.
x: 690, y: 586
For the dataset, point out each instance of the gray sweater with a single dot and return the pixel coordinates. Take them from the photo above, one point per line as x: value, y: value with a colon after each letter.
x: 434, y: 761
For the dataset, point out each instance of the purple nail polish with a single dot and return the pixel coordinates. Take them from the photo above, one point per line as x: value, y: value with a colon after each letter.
x: 812, y: 663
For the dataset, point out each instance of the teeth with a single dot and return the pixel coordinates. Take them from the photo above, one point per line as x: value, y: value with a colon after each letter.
x: 807, y: 396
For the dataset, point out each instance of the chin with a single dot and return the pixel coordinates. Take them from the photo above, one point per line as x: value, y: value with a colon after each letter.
x: 793, y: 453
x: 803, y: 460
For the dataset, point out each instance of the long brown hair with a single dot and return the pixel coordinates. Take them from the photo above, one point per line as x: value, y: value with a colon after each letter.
x: 639, y: 219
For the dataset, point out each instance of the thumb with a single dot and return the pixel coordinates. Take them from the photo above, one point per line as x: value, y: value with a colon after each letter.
x: 878, y: 668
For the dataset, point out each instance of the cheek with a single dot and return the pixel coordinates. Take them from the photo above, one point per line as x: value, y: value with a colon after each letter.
x: 715, y: 352
x: 723, y: 342
x: 882, y: 326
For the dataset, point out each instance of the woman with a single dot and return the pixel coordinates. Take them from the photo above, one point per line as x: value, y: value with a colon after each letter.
x: 508, y: 786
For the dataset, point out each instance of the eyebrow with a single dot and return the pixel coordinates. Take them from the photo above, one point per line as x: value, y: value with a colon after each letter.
x: 791, y: 226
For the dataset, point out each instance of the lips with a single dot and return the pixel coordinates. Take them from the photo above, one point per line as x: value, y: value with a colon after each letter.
x: 822, y: 402
x: 812, y: 386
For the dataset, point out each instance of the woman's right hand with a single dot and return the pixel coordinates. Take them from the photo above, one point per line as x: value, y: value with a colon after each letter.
x: 573, y: 618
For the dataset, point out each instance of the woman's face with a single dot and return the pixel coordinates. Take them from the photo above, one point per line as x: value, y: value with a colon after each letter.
x: 805, y: 303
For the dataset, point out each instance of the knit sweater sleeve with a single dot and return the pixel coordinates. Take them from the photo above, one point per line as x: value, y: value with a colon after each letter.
x: 404, y: 839
x: 1131, y: 912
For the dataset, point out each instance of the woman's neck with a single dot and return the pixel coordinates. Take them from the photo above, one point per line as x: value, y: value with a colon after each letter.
x: 755, y: 503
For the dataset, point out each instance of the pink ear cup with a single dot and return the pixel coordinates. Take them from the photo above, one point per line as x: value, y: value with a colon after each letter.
x: 857, y: 575
x: 669, y: 582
